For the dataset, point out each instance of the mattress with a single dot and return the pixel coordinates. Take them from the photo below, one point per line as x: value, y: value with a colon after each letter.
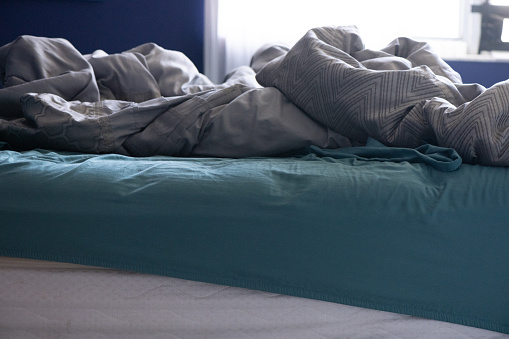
x: 374, y: 229
x: 40, y: 299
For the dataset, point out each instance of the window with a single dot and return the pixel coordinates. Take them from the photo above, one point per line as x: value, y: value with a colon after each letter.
x: 494, y: 25
x: 236, y: 28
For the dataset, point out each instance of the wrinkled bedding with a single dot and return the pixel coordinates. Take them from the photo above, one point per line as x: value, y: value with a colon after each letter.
x: 394, y: 236
x: 401, y: 95
x: 145, y: 101
x: 327, y: 90
x: 358, y: 215
x: 48, y: 300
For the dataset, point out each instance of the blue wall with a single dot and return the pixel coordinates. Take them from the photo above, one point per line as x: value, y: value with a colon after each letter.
x: 111, y: 25
x: 482, y: 72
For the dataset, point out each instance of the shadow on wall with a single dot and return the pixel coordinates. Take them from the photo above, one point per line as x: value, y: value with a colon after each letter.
x: 111, y: 25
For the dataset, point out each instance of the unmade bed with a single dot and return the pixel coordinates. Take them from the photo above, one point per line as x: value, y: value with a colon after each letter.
x: 395, y: 236
x: 296, y: 230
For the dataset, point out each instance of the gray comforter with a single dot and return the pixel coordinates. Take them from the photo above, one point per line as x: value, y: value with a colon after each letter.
x: 327, y: 90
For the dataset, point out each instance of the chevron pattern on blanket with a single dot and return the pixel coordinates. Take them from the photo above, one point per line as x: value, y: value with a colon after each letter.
x: 387, y: 97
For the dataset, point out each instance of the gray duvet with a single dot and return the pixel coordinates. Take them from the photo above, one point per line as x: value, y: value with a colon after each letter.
x: 327, y: 90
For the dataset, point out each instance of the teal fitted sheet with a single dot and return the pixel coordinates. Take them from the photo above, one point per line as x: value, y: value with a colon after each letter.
x: 395, y: 236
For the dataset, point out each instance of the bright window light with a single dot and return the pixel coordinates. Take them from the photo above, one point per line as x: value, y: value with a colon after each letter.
x: 499, y: 2
x: 378, y: 21
x: 239, y: 27
x: 505, y: 31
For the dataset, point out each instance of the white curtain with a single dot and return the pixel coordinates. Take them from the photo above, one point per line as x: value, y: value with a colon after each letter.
x: 234, y: 29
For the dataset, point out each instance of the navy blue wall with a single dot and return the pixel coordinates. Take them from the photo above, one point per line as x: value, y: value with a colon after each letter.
x: 484, y: 73
x: 111, y: 25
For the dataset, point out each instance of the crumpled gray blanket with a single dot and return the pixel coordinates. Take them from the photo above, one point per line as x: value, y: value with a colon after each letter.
x: 143, y: 102
x: 402, y: 96
x: 327, y: 90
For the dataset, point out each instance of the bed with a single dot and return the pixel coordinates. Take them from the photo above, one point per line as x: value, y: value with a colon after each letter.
x: 320, y: 236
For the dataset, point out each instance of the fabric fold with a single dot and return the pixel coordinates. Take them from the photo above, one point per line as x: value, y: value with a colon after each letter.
x: 400, y: 95
x: 440, y: 158
x: 330, y: 90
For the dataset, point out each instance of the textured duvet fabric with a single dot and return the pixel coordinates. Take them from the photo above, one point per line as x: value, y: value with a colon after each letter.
x: 327, y: 90
x: 400, y: 96
x: 142, y: 102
